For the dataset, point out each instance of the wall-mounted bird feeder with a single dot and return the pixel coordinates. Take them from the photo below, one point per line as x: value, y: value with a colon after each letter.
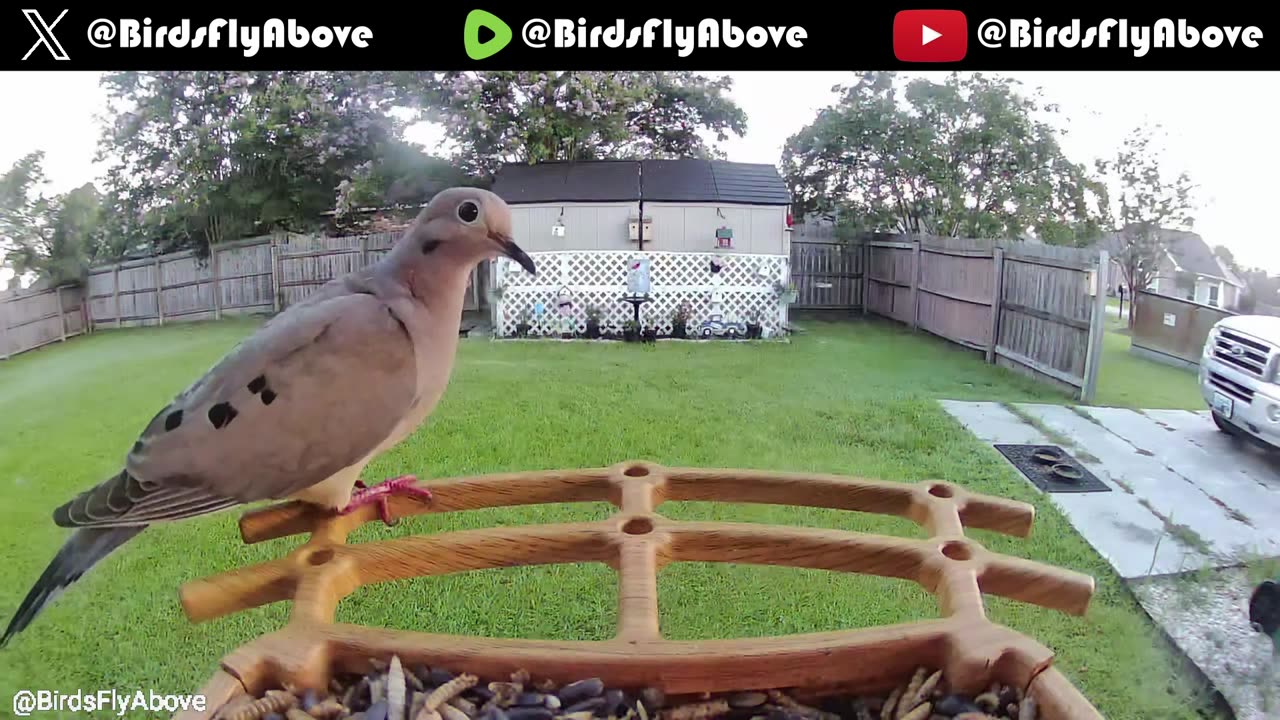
x: 633, y: 228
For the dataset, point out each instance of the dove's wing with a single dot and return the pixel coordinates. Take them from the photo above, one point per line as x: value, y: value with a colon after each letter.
x: 312, y: 392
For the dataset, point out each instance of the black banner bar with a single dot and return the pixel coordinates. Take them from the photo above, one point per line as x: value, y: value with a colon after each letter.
x: 613, y: 36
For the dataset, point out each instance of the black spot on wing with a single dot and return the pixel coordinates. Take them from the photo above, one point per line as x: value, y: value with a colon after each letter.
x: 174, y: 420
x: 268, y: 396
x: 257, y: 384
x: 222, y: 414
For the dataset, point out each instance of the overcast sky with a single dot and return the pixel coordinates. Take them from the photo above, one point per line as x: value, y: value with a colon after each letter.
x: 1221, y: 130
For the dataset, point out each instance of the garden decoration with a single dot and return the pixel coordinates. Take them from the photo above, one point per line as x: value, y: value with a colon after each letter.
x: 564, y: 305
x: 960, y: 665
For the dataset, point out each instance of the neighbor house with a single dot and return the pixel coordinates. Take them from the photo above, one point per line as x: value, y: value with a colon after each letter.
x: 1188, y: 269
x: 716, y: 235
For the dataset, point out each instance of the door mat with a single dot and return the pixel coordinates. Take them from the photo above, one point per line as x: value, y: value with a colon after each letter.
x: 1052, y: 469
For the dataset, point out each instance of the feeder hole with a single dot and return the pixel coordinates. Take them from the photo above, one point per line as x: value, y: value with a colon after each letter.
x: 956, y: 551
x: 636, y: 471
x: 320, y: 557
x: 638, y: 526
x: 941, y: 491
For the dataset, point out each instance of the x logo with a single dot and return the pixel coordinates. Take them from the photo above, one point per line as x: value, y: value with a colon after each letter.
x: 45, y: 31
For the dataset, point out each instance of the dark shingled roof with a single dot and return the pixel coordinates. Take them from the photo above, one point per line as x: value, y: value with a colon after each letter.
x: 684, y: 180
x: 1193, y: 254
x: 564, y: 181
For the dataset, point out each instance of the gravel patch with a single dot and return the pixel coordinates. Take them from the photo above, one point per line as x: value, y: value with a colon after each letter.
x: 1207, y: 615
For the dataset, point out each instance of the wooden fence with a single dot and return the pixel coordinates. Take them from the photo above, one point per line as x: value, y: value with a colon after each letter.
x: 1172, y: 330
x: 1032, y: 308
x: 35, y: 319
x: 260, y: 275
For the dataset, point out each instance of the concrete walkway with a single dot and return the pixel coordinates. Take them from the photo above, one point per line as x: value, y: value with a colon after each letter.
x: 1188, y: 506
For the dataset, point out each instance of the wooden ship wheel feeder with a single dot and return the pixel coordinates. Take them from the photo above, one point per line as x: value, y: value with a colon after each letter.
x: 970, y: 650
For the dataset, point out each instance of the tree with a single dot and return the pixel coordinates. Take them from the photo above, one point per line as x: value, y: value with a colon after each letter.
x: 498, y: 117
x: 204, y: 157
x: 965, y: 156
x: 400, y: 179
x: 56, y: 238
x: 1149, y: 202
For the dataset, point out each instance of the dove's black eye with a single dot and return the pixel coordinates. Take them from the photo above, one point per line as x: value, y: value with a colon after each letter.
x: 468, y: 212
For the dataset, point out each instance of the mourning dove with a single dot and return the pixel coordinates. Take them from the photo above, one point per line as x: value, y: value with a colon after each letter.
x: 298, y: 409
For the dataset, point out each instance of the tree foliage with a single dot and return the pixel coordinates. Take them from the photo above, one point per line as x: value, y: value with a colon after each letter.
x: 498, y: 117
x: 962, y: 157
x: 1148, y: 201
x: 55, y: 237
x: 202, y: 157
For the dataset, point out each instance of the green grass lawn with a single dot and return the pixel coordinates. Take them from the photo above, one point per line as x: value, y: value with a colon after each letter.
x: 1126, y: 380
x: 854, y: 398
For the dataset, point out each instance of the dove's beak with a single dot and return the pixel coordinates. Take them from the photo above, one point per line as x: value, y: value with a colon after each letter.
x: 513, y: 251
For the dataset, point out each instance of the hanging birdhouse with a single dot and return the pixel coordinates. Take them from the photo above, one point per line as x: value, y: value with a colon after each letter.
x: 724, y: 237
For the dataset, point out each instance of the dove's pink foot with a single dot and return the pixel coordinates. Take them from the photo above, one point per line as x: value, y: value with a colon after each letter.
x: 378, y: 494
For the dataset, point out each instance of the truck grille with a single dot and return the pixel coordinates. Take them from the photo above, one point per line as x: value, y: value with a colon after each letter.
x: 1230, y: 387
x: 1242, y: 353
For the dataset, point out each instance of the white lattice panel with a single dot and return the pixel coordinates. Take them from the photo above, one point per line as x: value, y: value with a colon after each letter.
x: 745, y: 284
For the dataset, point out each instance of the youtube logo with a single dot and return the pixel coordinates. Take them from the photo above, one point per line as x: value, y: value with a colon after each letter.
x: 930, y: 36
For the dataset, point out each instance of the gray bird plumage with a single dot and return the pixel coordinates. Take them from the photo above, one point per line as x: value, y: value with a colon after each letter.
x: 300, y: 407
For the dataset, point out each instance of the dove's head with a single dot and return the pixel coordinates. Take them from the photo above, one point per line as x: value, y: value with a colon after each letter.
x: 467, y: 225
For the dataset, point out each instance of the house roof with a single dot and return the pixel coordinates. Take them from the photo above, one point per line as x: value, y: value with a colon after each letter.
x: 683, y: 180
x: 1192, y: 254
x: 1187, y: 250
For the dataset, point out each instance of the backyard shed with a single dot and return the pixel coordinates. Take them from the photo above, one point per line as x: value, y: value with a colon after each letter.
x: 716, y: 235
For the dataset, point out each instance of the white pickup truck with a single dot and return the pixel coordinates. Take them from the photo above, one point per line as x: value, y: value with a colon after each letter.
x: 1239, y: 370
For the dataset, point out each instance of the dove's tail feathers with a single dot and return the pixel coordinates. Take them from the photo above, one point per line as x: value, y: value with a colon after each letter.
x: 125, y: 501
x: 85, y: 548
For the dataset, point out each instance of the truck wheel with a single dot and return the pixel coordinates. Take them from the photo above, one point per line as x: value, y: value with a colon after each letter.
x: 1223, y: 425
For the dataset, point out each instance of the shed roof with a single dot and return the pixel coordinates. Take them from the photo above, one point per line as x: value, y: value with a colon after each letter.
x: 569, y: 181
x: 682, y: 180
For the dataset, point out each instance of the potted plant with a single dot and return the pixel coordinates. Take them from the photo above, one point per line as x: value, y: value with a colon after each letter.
x: 523, y: 326
x: 650, y: 332
x: 680, y: 321
x: 753, y: 325
x: 631, y: 331
x: 593, y: 321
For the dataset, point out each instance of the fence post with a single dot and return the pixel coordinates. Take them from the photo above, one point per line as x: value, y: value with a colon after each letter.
x: 364, y: 251
x: 62, y: 318
x: 915, y: 284
x: 276, y: 300
x: 217, y: 282
x: 4, y: 330
x: 997, y: 262
x: 866, y: 275
x: 1097, y: 329
x: 159, y: 292
x: 115, y: 290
